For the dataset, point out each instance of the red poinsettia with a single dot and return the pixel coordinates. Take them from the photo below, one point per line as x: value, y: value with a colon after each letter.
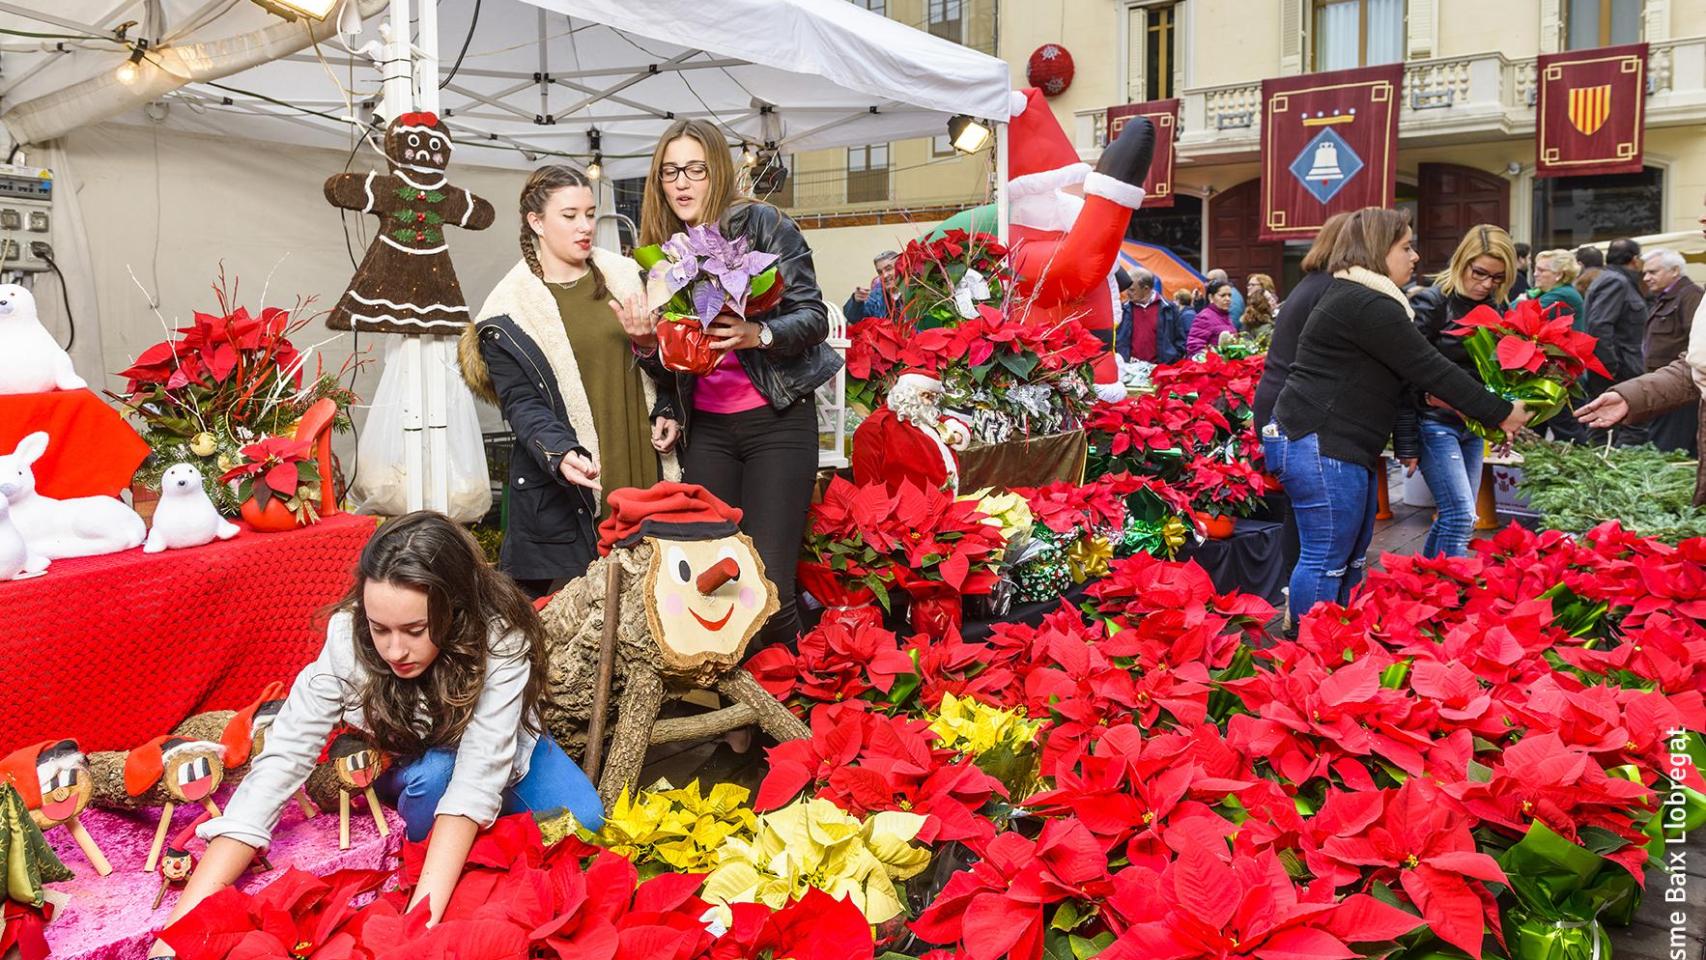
x: 996, y: 908
x: 837, y: 660
x: 1536, y: 340
x: 297, y: 917
x: 1220, y: 488
x: 1419, y: 838
x: 1206, y: 906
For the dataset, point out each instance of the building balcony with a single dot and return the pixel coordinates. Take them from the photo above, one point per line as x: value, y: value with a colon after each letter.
x: 1445, y: 100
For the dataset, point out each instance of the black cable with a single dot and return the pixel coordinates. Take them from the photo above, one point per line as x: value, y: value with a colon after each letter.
x: 472, y: 23
x: 13, y: 153
x: 64, y: 295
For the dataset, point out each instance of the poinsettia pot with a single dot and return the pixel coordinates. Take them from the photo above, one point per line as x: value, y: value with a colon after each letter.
x: 1218, y: 528
x: 275, y: 518
x: 685, y: 347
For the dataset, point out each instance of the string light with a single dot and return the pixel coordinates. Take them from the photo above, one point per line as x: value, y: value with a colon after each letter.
x: 129, y: 71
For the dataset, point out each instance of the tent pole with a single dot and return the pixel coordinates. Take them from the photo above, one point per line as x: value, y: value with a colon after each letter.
x: 1001, y: 181
x: 397, y: 78
x: 437, y: 359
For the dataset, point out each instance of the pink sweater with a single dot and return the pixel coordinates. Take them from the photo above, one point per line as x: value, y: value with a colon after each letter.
x: 727, y: 389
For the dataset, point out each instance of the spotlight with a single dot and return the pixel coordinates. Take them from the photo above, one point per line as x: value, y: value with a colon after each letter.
x: 969, y: 135
x: 291, y: 9
x: 128, y: 71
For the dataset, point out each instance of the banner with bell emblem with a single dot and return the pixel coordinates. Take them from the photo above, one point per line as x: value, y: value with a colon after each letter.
x: 1164, y: 114
x: 1329, y: 144
x: 1591, y: 111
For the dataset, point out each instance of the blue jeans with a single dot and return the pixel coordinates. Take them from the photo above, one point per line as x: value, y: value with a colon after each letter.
x: 553, y: 783
x: 1451, y: 464
x: 1334, y: 502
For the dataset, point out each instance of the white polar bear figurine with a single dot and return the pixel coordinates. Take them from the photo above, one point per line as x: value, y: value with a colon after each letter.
x: 56, y: 529
x: 185, y: 516
x: 31, y: 361
x: 17, y: 560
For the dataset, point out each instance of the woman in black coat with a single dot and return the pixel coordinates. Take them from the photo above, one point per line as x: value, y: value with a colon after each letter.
x: 1357, y: 355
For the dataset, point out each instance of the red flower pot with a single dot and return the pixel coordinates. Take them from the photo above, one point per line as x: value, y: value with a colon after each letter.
x: 684, y: 347
x: 274, y: 519
x: 1218, y: 528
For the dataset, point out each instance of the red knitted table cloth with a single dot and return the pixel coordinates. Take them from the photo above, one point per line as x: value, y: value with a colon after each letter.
x: 117, y: 649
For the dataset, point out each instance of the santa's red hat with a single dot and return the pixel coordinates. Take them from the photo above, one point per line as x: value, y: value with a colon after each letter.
x: 1040, y: 156
x: 22, y: 767
x: 144, y: 765
x: 921, y: 377
x: 673, y: 511
x: 239, y: 734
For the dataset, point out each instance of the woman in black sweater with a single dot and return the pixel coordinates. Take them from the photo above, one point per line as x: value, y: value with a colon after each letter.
x: 1358, y: 350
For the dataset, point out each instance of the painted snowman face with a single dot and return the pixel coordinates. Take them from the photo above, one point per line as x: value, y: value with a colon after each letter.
x: 708, y: 598
x: 63, y: 774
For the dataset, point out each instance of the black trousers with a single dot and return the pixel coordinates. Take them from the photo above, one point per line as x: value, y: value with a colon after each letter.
x: 763, y: 461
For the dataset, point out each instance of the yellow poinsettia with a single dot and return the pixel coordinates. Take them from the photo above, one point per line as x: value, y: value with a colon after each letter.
x: 1001, y: 742
x: 677, y: 828
x: 814, y: 843
x: 1007, y: 510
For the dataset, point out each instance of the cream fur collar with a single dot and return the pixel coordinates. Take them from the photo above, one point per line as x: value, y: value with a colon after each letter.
x: 1379, y: 283
x: 526, y: 300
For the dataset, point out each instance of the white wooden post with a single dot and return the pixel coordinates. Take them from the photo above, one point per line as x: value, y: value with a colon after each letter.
x: 437, y: 357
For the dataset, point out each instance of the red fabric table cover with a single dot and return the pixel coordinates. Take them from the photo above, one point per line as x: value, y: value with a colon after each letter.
x: 91, y: 452
x: 118, y: 649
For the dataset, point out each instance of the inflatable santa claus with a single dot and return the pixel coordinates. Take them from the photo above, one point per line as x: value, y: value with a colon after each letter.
x: 910, y: 438
x: 1067, y: 222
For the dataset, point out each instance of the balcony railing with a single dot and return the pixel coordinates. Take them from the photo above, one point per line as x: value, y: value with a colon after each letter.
x: 1481, y: 94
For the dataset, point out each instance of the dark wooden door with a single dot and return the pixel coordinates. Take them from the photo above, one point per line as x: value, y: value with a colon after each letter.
x: 1234, y: 221
x: 1451, y: 199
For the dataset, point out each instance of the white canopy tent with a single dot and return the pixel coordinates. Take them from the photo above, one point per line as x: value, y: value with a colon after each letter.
x: 516, y: 80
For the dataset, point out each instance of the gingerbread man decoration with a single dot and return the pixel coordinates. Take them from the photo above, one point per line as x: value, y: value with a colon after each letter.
x: 406, y: 283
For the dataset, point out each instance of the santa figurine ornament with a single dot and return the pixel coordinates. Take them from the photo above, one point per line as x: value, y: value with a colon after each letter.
x: 53, y: 780
x: 406, y: 283
x: 910, y: 438
x: 1067, y: 222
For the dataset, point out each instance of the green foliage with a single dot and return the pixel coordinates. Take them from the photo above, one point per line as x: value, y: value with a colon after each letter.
x: 1576, y: 488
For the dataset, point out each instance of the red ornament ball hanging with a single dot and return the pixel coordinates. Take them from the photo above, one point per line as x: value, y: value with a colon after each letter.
x: 1050, y: 69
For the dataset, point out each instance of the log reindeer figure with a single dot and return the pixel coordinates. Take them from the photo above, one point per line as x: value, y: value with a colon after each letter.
x: 245, y: 736
x: 669, y: 607
x: 186, y: 771
x: 54, y: 781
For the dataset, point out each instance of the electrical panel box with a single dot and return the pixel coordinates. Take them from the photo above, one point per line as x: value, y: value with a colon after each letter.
x: 26, y: 216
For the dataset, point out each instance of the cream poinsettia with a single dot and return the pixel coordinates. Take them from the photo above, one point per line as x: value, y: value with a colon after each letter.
x: 1007, y: 510
x: 1001, y: 742
x: 677, y: 828
x: 814, y: 843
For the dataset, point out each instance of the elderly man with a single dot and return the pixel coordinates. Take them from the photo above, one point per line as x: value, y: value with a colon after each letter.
x: 1678, y: 385
x: 1151, y: 329
x: 881, y: 300
x: 1675, y: 300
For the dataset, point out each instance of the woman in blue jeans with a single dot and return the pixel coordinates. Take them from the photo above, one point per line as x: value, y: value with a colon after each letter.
x: 440, y: 660
x: 1431, y: 435
x: 1359, y: 353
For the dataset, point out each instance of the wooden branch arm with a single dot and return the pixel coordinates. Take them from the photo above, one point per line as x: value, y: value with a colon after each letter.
x: 637, y: 714
x: 773, y: 718
x: 704, y: 725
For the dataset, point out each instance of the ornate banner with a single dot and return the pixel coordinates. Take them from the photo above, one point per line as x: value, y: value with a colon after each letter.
x: 1591, y: 111
x: 1329, y: 143
x: 1164, y: 114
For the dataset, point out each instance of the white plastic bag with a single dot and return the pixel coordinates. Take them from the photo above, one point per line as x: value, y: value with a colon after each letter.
x: 381, y: 479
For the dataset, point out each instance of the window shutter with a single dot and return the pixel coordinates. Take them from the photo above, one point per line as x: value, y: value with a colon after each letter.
x: 1294, y: 42
x: 1422, y: 29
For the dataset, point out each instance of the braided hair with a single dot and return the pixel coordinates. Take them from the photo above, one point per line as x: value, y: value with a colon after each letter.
x: 540, y: 185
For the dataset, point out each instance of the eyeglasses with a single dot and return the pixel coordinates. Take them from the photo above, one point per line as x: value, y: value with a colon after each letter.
x: 669, y: 172
x: 1483, y: 276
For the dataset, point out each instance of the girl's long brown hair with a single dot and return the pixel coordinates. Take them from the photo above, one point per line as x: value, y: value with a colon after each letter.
x: 658, y: 221
x: 541, y: 183
x: 468, y: 601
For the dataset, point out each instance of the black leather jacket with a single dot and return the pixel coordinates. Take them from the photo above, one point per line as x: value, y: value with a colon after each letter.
x: 1436, y: 313
x: 798, y: 360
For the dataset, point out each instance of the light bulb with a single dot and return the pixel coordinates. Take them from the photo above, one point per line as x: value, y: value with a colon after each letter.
x: 748, y: 157
x: 595, y: 169
x: 127, y: 73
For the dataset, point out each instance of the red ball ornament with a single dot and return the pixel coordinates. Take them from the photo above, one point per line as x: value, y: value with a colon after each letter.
x: 419, y: 237
x: 1050, y: 69
x: 420, y: 218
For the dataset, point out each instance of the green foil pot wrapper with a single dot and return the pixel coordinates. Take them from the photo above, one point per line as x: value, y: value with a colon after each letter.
x: 1539, y: 939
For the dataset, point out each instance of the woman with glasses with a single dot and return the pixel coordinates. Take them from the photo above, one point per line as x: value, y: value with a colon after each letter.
x: 749, y: 428
x: 1432, y: 435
